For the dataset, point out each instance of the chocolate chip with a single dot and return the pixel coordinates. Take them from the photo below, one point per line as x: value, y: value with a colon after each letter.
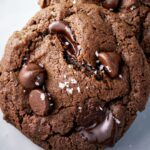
x: 104, y: 132
x: 111, y: 61
x: 146, y: 2
x: 32, y: 76
x: 128, y: 4
x: 44, y: 3
x: 59, y: 27
x: 110, y: 4
x: 40, y: 102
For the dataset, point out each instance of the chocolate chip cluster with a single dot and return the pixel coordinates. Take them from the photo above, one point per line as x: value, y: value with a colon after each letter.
x: 32, y: 77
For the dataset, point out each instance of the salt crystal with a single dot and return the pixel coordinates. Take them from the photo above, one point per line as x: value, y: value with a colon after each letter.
x: 78, y: 89
x: 66, y: 83
x: 61, y: 85
x: 67, y: 43
x: 101, y: 67
x: 74, y: 1
x: 95, y: 72
x: 79, y: 47
x: 108, y: 68
x: 70, y: 66
x: 69, y: 90
x: 101, y: 108
x: 51, y: 104
x: 132, y: 7
x: 42, y: 96
x: 37, y: 83
x: 120, y: 76
x: 38, y: 78
x: 117, y: 120
x: 73, y: 81
x: 65, y: 76
x: 96, y: 53
x: 97, y: 61
x: 80, y: 109
x: 41, y: 65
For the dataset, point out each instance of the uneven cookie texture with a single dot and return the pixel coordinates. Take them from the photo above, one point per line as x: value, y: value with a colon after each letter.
x: 77, y: 74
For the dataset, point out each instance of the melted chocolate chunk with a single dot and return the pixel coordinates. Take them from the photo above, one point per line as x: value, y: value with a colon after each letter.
x: 40, y: 102
x: 111, y: 61
x: 104, y: 132
x: 110, y: 4
x: 67, y: 38
x: 32, y: 76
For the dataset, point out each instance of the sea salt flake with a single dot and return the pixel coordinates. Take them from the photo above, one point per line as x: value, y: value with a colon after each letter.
x: 117, y: 120
x: 108, y: 68
x: 37, y: 83
x: 67, y: 43
x: 73, y: 81
x: 111, y: 9
x: 51, y: 104
x: 95, y: 72
x: 103, y: 71
x: 41, y: 65
x: 74, y: 1
x: 70, y: 66
x: 120, y: 76
x: 69, y: 90
x: 80, y: 109
x: 38, y: 78
x: 101, y: 67
x: 65, y: 76
x: 62, y: 85
x: 101, y: 108
x: 96, y: 53
x: 79, y: 47
x: 25, y: 58
x: 42, y: 96
x: 52, y: 13
x: 132, y: 7
x: 78, y: 89
x: 97, y: 61
x: 24, y: 91
x: 66, y: 83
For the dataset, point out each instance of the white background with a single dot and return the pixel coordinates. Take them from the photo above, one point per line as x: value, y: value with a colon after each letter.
x: 13, y: 16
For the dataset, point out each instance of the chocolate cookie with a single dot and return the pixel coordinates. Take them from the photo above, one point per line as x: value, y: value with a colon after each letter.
x: 77, y: 74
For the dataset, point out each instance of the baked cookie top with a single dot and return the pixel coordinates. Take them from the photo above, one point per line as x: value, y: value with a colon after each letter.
x: 77, y: 74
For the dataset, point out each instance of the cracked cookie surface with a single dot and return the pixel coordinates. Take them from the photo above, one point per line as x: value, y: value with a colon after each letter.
x: 71, y: 97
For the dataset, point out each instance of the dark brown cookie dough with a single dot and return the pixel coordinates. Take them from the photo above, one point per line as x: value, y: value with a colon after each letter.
x: 77, y: 74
